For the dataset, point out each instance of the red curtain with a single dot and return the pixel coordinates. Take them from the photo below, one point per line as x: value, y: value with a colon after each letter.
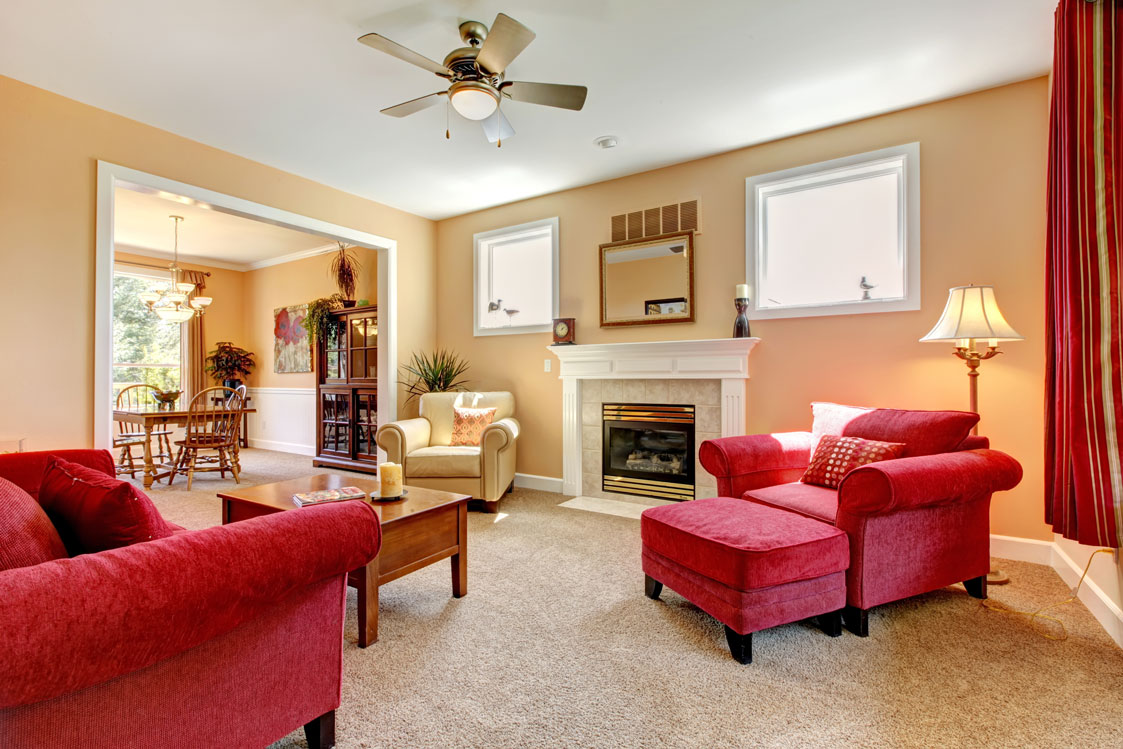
x: 1084, y: 285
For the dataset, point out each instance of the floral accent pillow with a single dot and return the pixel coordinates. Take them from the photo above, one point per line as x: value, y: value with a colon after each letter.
x: 468, y: 424
x: 837, y: 456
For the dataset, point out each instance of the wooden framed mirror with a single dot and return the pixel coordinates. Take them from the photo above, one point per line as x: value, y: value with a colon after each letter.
x: 647, y: 281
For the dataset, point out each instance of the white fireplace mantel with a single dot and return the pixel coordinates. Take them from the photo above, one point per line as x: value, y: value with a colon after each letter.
x: 724, y: 359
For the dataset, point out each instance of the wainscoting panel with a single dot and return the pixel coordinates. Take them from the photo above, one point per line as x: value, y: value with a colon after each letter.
x: 285, y: 419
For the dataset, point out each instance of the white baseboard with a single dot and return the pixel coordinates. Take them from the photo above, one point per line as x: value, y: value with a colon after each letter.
x: 1021, y: 549
x: 1106, y: 611
x: 284, y: 447
x: 541, y: 483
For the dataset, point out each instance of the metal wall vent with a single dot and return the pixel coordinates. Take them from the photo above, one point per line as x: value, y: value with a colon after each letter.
x: 653, y: 221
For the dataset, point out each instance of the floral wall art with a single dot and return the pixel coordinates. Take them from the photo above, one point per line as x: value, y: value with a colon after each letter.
x: 292, y: 349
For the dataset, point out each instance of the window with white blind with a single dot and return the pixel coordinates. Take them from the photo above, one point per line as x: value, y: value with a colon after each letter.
x: 840, y: 237
x: 516, y: 278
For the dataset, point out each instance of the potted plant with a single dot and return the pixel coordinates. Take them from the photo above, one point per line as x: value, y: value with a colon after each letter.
x: 319, y: 313
x: 344, y: 270
x: 229, y: 363
x: 438, y: 372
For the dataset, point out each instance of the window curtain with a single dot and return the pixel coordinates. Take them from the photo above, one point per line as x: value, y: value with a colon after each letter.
x: 193, y: 350
x: 1084, y: 276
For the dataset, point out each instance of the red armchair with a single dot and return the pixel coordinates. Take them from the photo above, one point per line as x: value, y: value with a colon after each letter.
x: 915, y: 524
x: 230, y: 635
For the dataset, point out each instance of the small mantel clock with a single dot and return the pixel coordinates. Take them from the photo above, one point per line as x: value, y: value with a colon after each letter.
x: 563, y: 331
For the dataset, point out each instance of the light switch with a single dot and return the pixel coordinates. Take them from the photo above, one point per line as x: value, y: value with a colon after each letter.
x: 546, y: 363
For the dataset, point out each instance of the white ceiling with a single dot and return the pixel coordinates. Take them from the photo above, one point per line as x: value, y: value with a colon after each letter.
x: 285, y: 83
x: 141, y: 225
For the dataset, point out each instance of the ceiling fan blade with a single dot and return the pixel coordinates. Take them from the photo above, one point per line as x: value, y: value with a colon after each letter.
x: 414, y: 105
x: 503, y: 43
x: 392, y: 48
x: 496, y: 127
x: 548, y: 94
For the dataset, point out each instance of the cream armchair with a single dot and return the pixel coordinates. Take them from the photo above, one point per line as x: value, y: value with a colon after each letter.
x: 422, y: 446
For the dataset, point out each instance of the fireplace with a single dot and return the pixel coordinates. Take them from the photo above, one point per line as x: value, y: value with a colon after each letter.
x: 648, y: 450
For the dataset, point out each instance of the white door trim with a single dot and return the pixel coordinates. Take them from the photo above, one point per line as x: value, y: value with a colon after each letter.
x: 111, y: 176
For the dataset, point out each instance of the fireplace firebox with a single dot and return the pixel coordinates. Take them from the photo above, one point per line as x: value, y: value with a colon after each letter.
x: 648, y: 450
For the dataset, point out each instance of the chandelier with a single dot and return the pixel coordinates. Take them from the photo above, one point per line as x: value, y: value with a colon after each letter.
x: 171, y: 302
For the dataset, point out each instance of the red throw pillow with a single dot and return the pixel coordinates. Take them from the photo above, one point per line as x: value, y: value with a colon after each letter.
x: 837, y: 456
x: 922, y: 432
x: 95, y: 512
x: 468, y: 425
x: 26, y: 535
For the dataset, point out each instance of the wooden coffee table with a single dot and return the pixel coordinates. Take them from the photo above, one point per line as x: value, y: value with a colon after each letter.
x: 423, y: 527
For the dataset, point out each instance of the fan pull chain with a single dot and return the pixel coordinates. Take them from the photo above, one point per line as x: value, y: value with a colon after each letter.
x: 448, y: 133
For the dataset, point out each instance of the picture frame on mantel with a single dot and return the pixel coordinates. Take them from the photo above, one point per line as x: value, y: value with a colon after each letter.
x: 647, y: 280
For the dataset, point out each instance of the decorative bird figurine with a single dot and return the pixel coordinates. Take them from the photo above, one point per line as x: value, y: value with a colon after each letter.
x: 865, y: 286
x: 494, y: 306
x: 510, y: 314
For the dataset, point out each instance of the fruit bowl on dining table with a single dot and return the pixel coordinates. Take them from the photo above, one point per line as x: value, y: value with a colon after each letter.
x: 166, y: 398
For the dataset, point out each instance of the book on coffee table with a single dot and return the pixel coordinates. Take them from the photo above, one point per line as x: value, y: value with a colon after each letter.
x: 328, y: 495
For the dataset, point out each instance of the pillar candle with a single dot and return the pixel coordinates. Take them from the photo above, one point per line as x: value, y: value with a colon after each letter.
x: 742, y: 291
x: 391, y: 476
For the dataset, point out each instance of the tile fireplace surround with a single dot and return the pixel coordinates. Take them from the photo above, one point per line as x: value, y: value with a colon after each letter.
x: 708, y: 374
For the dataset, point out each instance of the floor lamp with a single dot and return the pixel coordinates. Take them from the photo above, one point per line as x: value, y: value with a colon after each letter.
x: 972, y: 315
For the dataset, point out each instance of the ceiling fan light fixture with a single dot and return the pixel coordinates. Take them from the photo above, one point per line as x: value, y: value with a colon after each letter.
x: 473, y: 100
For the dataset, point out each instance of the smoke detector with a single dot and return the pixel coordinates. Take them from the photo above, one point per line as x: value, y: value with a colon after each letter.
x: 607, y: 141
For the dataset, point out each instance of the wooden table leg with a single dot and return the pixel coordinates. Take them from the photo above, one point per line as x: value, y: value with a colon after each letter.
x: 237, y: 456
x: 149, y: 468
x: 460, y: 559
x: 368, y: 604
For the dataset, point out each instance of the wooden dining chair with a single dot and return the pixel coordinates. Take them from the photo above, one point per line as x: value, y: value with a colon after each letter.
x: 131, y: 398
x: 212, y: 429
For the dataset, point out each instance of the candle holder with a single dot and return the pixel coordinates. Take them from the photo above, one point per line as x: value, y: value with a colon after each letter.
x: 741, y: 322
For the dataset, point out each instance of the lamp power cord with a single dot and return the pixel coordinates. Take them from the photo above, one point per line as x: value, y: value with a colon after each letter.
x: 1040, y: 615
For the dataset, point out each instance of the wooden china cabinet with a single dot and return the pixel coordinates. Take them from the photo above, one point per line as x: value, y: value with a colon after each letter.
x: 347, y: 391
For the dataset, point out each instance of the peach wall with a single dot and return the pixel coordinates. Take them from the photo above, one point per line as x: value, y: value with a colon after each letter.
x: 49, y: 147
x: 983, y: 165
x: 285, y: 285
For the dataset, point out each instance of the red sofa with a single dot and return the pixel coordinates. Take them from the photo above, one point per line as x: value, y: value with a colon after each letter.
x: 226, y: 636
x: 915, y: 524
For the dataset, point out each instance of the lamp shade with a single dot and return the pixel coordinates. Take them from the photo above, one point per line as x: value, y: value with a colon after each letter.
x: 972, y: 312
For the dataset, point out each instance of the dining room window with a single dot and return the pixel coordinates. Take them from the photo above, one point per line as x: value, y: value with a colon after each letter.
x: 146, y: 349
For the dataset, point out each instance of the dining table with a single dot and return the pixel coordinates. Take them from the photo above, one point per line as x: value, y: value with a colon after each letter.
x: 149, y: 418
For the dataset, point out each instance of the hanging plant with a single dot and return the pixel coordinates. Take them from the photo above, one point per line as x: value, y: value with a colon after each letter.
x: 319, y: 313
x: 228, y: 362
x: 438, y: 372
x: 345, y: 270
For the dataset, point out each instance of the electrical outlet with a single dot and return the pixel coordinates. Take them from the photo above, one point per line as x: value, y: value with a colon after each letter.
x: 546, y: 364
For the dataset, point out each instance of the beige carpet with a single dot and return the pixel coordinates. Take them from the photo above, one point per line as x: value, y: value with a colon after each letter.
x: 555, y: 645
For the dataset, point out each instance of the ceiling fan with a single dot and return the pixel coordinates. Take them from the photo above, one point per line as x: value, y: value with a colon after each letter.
x: 476, y: 76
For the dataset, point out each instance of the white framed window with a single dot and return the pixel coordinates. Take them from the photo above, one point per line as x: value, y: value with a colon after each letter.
x: 146, y: 349
x: 516, y: 278
x: 839, y: 237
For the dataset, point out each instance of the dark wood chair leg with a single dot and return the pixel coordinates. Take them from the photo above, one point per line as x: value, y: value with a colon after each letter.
x: 492, y: 507
x: 976, y: 586
x: 831, y: 623
x: 321, y: 732
x: 857, y: 620
x: 740, y: 646
x: 652, y: 587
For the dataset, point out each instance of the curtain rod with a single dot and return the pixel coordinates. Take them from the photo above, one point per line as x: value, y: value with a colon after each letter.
x: 157, y: 267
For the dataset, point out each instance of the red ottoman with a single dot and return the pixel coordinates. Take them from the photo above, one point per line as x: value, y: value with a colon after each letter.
x: 748, y: 565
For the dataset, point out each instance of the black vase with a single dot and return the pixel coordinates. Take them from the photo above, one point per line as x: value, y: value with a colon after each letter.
x: 741, y: 322
x: 232, y: 384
